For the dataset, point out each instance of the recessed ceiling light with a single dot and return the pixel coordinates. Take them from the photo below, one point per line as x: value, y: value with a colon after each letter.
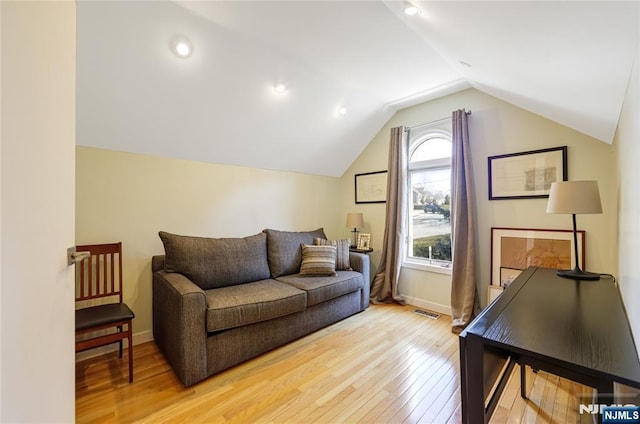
x: 181, y: 47
x: 465, y: 64
x: 280, y: 87
x: 411, y: 10
x: 342, y: 110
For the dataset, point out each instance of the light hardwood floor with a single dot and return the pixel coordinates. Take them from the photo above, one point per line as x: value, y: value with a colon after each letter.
x: 385, y: 365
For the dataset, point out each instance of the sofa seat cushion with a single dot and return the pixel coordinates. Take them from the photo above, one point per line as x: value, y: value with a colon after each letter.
x: 321, y: 289
x: 235, y: 306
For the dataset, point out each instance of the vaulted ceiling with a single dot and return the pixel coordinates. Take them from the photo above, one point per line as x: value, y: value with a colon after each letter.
x: 568, y: 61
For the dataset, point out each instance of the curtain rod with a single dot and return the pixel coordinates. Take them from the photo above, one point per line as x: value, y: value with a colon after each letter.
x: 432, y: 122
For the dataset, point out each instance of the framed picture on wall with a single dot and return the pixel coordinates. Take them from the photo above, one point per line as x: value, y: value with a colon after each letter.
x: 371, y: 187
x: 526, y: 174
x: 515, y: 249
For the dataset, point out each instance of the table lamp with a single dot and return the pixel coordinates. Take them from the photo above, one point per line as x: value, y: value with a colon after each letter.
x: 575, y: 197
x: 354, y: 221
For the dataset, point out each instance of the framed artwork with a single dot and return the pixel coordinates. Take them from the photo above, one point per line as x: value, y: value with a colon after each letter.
x: 371, y: 187
x: 507, y: 275
x: 364, y: 241
x: 526, y: 175
x: 515, y: 249
x: 493, y: 293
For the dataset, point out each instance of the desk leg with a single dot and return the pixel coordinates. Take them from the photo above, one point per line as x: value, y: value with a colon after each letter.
x: 472, y: 380
x: 523, y: 380
x: 523, y: 377
x: 604, y: 395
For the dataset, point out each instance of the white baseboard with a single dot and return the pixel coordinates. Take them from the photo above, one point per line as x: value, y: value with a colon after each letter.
x: 138, y: 338
x: 425, y: 304
x: 142, y: 337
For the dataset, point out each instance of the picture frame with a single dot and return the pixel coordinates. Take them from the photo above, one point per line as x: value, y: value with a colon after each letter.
x: 526, y: 175
x: 493, y: 292
x: 364, y: 241
x: 507, y: 275
x: 515, y: 249
x: 371, y: 187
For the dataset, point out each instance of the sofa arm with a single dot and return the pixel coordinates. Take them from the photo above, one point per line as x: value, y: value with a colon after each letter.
x: 179, y: 329
x: 360, y: 262
x: 157, y: 263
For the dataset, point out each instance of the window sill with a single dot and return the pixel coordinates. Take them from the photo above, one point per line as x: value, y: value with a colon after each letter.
x: 422, y: 266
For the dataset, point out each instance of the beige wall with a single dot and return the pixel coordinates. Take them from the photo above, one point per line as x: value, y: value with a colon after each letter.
x: 496, y: 127
x: 130, y: 197
x: 627, y: 143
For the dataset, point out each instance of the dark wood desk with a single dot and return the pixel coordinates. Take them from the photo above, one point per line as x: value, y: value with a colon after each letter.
x: 574, y: 329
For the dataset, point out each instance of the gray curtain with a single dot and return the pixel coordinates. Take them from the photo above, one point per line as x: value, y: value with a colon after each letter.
x: 463, y: 227
x: 385, y: 283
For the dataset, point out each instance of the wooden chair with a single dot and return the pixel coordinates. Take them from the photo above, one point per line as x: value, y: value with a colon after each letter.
x: 99, y: 276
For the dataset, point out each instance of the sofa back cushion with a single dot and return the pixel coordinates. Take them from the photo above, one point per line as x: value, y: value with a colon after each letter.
x: 284, y: 249
x: 216, y: 262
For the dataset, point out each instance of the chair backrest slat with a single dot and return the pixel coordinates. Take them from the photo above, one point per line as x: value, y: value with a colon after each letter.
x: 105, y: 258
x: 95, y: 265
x: 113, y: 279
x: 81, y: 265
x: 90, y: 284
x: 120, y: 274
x: 96, y: 276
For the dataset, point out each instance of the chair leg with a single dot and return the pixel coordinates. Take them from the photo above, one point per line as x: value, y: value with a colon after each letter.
x: 120, y: 351
x: 130, y: 348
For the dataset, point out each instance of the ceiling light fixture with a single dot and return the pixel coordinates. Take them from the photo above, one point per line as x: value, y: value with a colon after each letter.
x: 342, y: 110
x: 411, y: 10
x: 280, y: 88
x: 181, y: 47
x: 465, y: 64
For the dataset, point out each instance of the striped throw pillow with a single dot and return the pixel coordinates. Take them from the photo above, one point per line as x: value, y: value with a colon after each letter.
x: 318, y: 260
x: 342, y: 252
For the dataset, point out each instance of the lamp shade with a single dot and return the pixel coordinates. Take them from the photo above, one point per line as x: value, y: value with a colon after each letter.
x: 574, y: 197
x: 355, y: 220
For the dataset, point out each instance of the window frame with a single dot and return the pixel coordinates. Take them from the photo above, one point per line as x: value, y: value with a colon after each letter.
x: 415, y: 141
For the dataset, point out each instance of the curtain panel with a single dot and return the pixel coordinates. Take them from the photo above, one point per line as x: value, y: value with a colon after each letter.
x: 463, y: 226
x: 385, y: 283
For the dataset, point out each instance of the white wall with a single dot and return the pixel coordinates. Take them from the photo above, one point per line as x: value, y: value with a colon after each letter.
x: 627, y: 143
x: 130, y: 197
x: 38, y: 153
x: 496, y: 127
x: 1, y: 209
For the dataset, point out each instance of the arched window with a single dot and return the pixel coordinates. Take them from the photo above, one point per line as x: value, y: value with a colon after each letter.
x: 429, y: 220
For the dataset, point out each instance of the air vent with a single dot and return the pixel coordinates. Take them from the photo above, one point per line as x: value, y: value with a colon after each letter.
x: 427, y: 314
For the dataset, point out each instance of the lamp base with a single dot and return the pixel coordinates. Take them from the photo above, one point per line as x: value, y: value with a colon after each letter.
x: 577, y: 274
x: 354, y: 238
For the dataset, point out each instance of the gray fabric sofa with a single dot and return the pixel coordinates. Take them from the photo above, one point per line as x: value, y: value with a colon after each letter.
x: 219, y: 302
